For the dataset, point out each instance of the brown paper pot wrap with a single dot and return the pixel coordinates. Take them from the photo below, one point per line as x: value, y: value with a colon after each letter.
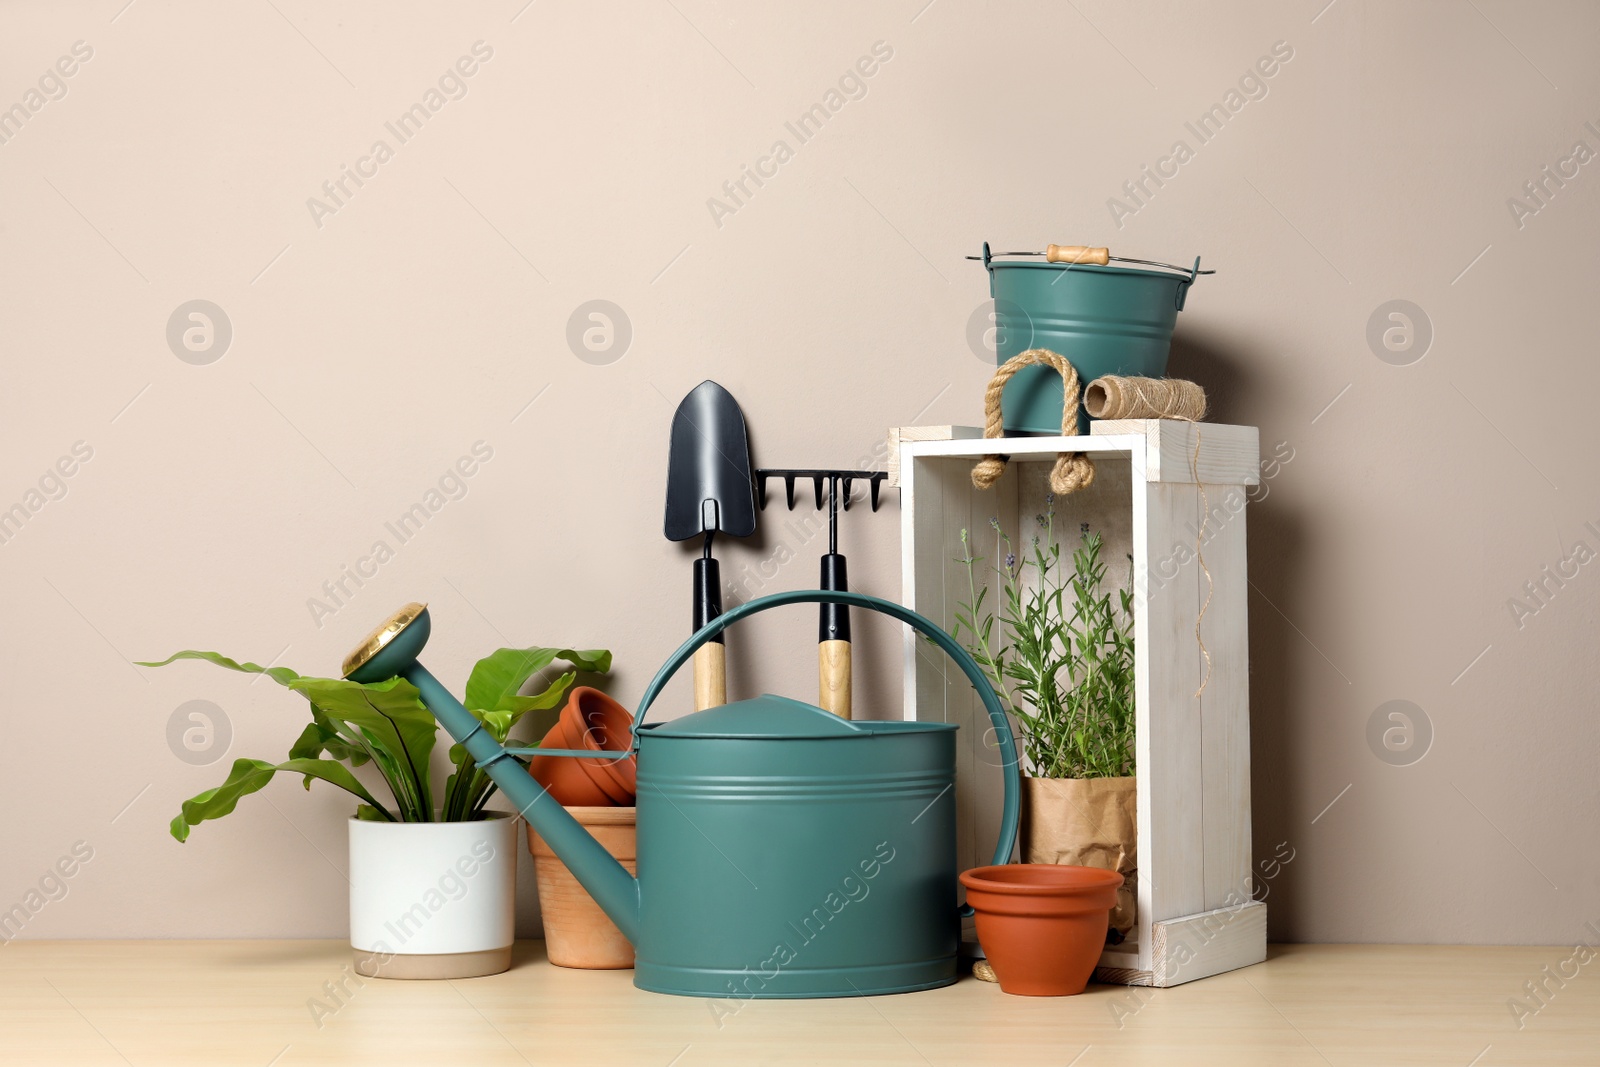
x: 1086, y: 822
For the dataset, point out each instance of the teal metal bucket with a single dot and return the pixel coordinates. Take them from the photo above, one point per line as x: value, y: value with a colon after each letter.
x: 1104, y: 320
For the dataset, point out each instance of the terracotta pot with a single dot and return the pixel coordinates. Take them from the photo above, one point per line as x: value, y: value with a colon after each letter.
x: 593, y: 721
x: 576, y: 932
x: 1042, y: 926
x: 563, y: 777
x: 605, y: 726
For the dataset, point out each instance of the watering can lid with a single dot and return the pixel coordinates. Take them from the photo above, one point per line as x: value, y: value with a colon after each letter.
x: 771, y: 717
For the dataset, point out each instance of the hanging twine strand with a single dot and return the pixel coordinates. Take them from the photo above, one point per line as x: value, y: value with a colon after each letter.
x: 1073, y: 470
x: 1200, y: 557
x: 1114, y: 397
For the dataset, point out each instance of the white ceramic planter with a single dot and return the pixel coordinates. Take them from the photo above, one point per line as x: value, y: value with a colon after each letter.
x: 433, y: 900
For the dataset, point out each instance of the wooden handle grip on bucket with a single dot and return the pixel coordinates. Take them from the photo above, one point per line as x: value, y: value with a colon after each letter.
x: 1078, y: 254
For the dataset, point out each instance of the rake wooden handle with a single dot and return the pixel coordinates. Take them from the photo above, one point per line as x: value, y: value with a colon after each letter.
x: 710, y: 676
x: 833, y: 668
x: 1078, y: 254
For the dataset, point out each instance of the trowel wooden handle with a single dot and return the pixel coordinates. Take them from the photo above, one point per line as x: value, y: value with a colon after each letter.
x: 1077, y: 254
x: 833, y: 668
x: 710, y: 676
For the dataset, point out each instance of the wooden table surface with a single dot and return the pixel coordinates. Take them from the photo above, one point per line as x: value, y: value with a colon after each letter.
x: 279, y: 1002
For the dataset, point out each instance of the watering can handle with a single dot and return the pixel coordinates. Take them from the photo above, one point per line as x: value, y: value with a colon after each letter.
x: 963, y: 659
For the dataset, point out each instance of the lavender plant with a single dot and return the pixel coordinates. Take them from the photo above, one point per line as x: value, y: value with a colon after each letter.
x: 1065, y: 671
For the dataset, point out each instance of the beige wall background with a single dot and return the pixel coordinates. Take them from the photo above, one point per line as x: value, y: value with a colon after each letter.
x: 375, y: 343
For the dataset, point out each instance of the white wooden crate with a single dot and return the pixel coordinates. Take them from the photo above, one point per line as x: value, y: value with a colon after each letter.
x: 1196, y: 916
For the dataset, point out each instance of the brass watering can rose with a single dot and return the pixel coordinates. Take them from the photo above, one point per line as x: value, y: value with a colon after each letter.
x: 374, y: 642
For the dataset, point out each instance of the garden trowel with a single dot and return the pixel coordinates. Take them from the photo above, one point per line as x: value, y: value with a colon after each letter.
x: 709, y: 490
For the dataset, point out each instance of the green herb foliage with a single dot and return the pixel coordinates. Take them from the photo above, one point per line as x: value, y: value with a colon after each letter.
x: 385, y: 724
x: 1064, y: 668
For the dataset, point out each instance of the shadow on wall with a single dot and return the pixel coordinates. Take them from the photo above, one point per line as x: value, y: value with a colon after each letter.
x: 1236, y: 393
x: 1216, y: 364
x: 1276, y: 535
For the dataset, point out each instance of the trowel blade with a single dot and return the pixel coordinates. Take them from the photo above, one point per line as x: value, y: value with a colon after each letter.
x: 709, y: 484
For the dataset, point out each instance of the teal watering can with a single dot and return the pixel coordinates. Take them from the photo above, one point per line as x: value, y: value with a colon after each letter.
x: 783, y: 851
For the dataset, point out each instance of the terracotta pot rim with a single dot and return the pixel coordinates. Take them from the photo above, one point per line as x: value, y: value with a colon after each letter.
x: 604, y: 774
x: 558, y: 775
x: 608, y: 775
x: 603, y: 821
x: 1040, y: 880
x: 560, y: 733
x: 602, y: 814
x: 612, y: 708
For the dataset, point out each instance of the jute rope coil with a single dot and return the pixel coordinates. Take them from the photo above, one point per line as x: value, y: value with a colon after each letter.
x: 1114, y: 397
x: 1073, y: 471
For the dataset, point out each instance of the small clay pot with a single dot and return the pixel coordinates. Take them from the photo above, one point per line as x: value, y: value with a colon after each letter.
x: 564, y: 777
x: 1042, y: 926
x: 606, y: 726
x: 576, y: 932
x: 593, y: 721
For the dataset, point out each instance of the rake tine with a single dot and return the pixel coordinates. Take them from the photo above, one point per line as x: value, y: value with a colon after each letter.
x: 833, y: 478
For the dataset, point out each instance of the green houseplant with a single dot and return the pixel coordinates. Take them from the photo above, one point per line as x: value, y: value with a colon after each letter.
x: 1058, y: 648
x: 385, y: 724
x: 432, y: 873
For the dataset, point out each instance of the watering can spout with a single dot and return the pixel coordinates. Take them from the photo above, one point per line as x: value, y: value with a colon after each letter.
x: 392, y: 650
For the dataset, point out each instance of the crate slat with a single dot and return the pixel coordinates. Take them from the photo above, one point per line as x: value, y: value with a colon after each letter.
x: 1225, y: 703
x: 1167, y: 673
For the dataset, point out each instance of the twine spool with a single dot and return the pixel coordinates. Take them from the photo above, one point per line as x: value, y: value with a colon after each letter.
x: 1073, y: 471
x: 983, y: 972
x: 1114, y: 397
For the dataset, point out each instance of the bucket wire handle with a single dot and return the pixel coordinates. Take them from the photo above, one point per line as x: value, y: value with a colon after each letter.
x: 969, y: 666
x: 1073, y: 470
